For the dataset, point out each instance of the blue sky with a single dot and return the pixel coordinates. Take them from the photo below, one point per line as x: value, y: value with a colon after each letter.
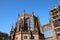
x: 9, y: 10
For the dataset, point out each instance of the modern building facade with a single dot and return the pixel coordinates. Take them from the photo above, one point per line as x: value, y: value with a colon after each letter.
x: 55, y: 21
x: 27, y: 28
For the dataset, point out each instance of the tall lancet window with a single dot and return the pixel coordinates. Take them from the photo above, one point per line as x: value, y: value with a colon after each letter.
x: 29, y: 24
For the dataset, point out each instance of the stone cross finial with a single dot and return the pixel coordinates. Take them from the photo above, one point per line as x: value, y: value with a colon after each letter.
x: 24, y: 11
x: 33, y: 12
x: 18, y: 14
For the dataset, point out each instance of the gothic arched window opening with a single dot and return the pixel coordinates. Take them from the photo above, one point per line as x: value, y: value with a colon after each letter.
x: 29, y: 23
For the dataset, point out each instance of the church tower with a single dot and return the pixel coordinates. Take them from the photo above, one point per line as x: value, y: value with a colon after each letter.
x: 27, y: 27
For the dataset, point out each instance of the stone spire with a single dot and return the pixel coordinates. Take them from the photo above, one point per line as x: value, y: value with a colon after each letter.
x: 24, y: 11
x: 59, y: 7
x: 18, y: 14
x: 32, y: 12
x: 12, y: 29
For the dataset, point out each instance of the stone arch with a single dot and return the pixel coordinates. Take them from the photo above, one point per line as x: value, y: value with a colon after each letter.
x: 46, y: 28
